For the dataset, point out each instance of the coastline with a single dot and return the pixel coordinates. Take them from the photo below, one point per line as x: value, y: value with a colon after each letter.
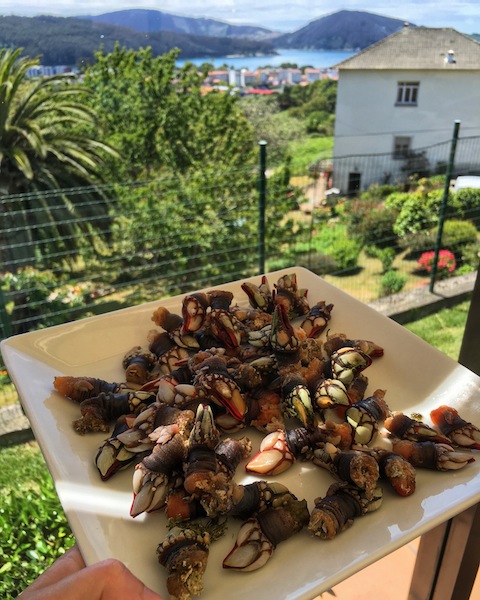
x: 313, y: 58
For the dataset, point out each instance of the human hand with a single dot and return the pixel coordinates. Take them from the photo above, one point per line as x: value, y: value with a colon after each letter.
x: 69, y: 579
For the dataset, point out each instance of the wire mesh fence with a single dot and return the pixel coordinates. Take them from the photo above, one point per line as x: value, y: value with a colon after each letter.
x: 71, y: 253
x: 353, y: 173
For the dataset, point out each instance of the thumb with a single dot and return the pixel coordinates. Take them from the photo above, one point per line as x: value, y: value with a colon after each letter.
x: 107, y: 580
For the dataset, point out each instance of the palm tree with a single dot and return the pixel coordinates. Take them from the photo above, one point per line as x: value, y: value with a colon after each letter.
x: 51, y: 198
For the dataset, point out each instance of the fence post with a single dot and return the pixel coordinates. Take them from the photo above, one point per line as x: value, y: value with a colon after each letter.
x: 262, y: 194
x: 441, y: 217
x: 4, y: 318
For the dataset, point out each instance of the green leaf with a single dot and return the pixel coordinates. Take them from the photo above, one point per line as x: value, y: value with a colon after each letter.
x: 6, y: 567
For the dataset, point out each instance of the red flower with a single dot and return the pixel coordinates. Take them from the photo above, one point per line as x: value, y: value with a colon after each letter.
x: 445, y: 264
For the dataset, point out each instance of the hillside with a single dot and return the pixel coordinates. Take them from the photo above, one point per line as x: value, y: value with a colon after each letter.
x: 342, y: 30
x: 155, y: 20
x: 72, y: 41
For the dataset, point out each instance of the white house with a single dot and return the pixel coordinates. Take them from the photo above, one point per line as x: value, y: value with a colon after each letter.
x: 402, y: 96
x: 47, y: 71
x: 312, y: 74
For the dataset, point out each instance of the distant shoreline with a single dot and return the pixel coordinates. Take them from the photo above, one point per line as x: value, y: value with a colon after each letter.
x: 258, y: 54
x: 314, y: 58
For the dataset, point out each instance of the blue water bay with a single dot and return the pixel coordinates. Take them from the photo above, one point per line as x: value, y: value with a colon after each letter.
x: 313, y: 58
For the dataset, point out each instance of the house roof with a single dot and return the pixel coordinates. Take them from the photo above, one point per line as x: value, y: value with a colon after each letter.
x: 260, y: 92
x: 418, y: 48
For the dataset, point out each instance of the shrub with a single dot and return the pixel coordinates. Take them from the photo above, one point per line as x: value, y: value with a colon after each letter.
x: 41, y: 299
x: 469, y: 197
x: 425, y: 185
x: 418, y: 212
x: 417, y: 242
x: 396, y: 200
x: 275, y: 264
x: 392, y: 282
x: 345, y: 253
x: 385, y: 255
x: 464, y: 269
x: 416, y: 164
x: 379, y: 191
x: 4, y: 377
x: 456, y: 234
x: 320, y: 122
x: 439, y: 179
x: 370, y: 222
x: 470, y: 256
x: 319, y: 263
x: 330, y: 249
x: 468, y: 200
x: 446, y: 263
x: 327, y: 236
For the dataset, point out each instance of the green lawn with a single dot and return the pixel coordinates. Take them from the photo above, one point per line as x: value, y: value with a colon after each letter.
x: 444, y: 329
x: 309, y: 149
x: 33, y: 527
x: 364, y: 282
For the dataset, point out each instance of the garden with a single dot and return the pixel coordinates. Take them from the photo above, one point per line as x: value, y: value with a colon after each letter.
x: 383, y: 241
x: 172, y: 211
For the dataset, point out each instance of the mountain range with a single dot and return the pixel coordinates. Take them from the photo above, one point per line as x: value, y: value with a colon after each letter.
x: 73, y: 40
x: 341, y: 30
x: 149, y: 21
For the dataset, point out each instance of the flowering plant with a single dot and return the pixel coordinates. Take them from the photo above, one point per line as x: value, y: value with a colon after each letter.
x: 4, y: 377
x: 40, y: 298
x: 446, y: 263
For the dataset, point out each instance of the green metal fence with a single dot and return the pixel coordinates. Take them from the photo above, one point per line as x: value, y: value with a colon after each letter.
x: 63, y: 259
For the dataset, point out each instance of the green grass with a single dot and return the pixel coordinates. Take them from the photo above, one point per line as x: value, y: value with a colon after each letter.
x: 33, y: 527
x: 443, y: 330
x: 309, y: 149
x: 364, y: 283
x: 26, y: 462
x: 8, y: 394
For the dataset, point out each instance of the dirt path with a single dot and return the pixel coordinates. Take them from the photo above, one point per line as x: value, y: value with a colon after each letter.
x: 315, y: 194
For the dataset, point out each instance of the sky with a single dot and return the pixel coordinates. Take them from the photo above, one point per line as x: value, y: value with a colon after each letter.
x: 285, y: 16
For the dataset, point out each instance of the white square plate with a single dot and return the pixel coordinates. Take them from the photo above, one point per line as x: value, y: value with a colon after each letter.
x: 416, y: 377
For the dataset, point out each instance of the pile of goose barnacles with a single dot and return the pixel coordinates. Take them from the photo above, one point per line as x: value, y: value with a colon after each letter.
x: 216, y: 370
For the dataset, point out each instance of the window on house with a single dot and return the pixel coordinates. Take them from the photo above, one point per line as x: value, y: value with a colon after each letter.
x: 401, y: 147
x: 407, y: 93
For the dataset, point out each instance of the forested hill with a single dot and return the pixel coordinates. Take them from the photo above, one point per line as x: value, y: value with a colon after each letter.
x: 342, y: 30
x: 72, y: 41
x: 156, y: 20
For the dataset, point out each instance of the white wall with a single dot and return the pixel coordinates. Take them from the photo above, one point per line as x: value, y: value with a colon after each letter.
x: 367, y: 120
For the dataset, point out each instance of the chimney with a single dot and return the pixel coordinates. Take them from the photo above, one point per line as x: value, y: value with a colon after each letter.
x: 450, y: 58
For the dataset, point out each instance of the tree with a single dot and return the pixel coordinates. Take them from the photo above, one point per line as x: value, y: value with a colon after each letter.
x: 318, y: 96
x: 270, y: 124
x: 130, y: 90
x: 47, y: 148
x: 187, y: 189
x: 160, y: 118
